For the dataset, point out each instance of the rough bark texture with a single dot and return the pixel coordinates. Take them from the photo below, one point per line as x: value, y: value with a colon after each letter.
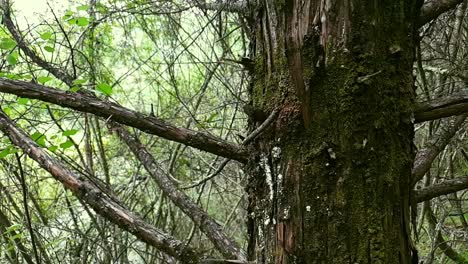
x: 331, y: 178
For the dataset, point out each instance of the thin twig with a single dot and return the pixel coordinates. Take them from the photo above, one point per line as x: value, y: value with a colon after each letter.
x: 262, y: 127
x: 26, y: 208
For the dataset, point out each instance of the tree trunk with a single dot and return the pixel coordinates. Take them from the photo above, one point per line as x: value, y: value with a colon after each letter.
x: 330, y: 179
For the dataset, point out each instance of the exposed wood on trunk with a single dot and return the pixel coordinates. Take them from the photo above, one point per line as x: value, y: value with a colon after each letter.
x: 341, y: 76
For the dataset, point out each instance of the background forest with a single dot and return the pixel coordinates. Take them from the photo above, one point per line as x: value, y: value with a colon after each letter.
x: 181, y: 61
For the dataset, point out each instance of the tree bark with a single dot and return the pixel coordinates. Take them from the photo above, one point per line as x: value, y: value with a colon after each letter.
x: 331, y: 179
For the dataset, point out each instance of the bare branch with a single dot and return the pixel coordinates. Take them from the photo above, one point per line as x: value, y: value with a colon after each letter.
x: 111, y: 111
x: 425, y: 156
x: 227, y: 261
x: 102, y: 203
x: 443, y: 188
x: 232, y: 6
x: 262, y: 127
x: 433, y: 8
x: 226, y: 245
x: 454, y: 104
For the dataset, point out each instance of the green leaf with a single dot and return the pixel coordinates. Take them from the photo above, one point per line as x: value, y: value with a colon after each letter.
x: 13, y: 76
x: 7, y: 110
x: 79, y: 81
x: 22, y: 101
x: 7, y: 43
x: 13, y: 227
x: 17, y: 236
x: 6, y: 152
x: 82, y: 21
x: 69, y: 132
x: 212, y: 117
x: 49, y: 49
x: 12, y: 58
x: 39, y: 138
x: 46, y: 35
x: 72, y: 21
x: 101, y: 8
x: 104, y: 88
x: 75, y: 89
x: 67, y: 15
x: 43, y: 79
x: 66, y: 144
x: 53, y: 148
x: 83, y: 8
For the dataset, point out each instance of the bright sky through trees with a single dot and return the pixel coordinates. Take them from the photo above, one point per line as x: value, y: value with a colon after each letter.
x: 31, y: 10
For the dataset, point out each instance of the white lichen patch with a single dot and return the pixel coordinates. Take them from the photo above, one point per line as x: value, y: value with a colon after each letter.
x: 364, y: 142
x: 276, y: 152
x: 267, y: 221
x: 286, y: 213
x: 331, y: 153
x: 280, y: 184
x: 269, y: 177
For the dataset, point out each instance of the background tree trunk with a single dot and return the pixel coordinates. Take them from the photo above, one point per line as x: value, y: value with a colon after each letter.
x: 331, y: 178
